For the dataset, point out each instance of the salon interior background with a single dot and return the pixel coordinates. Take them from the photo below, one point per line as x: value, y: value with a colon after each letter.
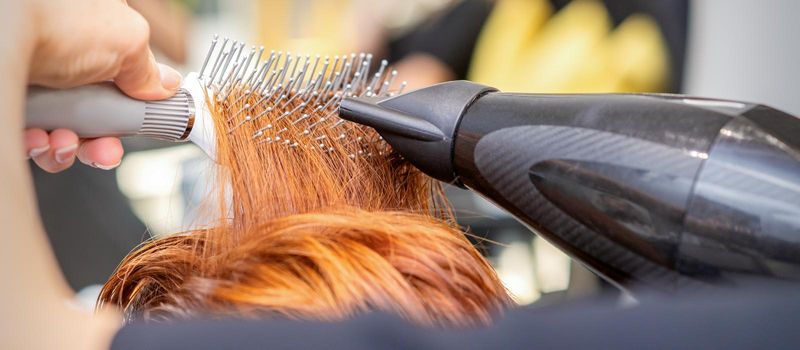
x: 726, y: 52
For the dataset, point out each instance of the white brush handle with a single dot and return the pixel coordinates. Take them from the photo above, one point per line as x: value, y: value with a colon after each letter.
x: 103, y: 110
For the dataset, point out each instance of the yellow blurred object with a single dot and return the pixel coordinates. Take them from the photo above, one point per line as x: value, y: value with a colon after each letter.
x: 511, y: 27
x: 525, y: 47
x: 316, y: 26
x: 638, y: 54
x: 337, y: 26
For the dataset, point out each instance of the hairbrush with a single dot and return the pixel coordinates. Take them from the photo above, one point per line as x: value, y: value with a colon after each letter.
x: 295, y: 88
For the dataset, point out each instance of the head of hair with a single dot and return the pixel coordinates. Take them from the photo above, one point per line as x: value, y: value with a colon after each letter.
x: 318, y: 219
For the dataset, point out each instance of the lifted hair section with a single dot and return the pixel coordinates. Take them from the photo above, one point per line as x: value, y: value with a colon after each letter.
x: 320, y: 220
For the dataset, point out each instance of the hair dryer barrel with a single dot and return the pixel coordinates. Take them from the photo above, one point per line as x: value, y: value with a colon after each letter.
x: 647, y: 190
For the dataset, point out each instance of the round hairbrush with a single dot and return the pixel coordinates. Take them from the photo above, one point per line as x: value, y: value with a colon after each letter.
x: 296, y: 88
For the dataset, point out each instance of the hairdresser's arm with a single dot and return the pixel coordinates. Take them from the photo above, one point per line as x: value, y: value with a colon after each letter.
x: 57, y: 43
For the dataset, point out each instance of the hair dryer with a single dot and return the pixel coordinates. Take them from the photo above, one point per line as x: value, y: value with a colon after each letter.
x: 666, y: 192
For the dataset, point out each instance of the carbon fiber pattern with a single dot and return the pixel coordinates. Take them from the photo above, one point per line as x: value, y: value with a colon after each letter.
x: 524, y: 146
x: 169, y: 119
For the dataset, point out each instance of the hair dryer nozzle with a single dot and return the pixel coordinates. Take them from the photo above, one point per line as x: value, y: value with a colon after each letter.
x: 420, y: 125
x: 366, y: 112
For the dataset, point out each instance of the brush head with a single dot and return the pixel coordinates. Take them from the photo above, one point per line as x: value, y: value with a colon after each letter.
x: 284, y: 99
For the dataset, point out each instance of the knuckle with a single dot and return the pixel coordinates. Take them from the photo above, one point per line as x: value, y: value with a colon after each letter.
x: 139, y: 32
x: 64, y: 134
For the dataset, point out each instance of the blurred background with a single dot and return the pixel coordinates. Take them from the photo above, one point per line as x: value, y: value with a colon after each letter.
x: 735, y: 49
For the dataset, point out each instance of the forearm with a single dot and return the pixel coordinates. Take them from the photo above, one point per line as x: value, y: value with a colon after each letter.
x: 26, y: 260
x: 34, y: 295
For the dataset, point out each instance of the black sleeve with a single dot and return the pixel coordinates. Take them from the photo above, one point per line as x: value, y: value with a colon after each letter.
x: 756, y: 320
x: 450, y: 36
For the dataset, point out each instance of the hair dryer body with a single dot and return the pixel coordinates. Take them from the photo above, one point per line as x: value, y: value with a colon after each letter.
x: 665, y: 192
x: 646, y: 190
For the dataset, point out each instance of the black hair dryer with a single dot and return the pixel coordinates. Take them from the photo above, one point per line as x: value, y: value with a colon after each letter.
x: 665, y: 192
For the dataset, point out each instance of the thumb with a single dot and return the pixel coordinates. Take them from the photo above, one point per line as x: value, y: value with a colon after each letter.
x: 140, y: 76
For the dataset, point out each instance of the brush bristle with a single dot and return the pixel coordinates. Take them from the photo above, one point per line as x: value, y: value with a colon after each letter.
x: 292, y: 100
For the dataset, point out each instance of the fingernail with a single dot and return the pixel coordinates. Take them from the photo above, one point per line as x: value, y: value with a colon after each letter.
x: 105, y: 167
x: 170, y: 78
x: 38, y: 151
x: 65, y: 154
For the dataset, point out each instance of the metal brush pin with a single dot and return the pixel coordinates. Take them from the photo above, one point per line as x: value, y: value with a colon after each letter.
x: 268, y: 94
x: 303, y: 100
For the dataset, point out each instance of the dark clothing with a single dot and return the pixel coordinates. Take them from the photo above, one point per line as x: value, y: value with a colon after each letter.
x: 756, y: 319
x: 88, y: 220
x: 449, y: 36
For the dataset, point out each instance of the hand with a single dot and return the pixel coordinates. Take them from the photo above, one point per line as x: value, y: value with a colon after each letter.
x: 82, y: 42
x: 58, y: 43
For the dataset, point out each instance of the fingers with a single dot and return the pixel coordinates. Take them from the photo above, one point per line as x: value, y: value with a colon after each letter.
x: 57, y: 151
x: 139, y: 75
x: 118, y: 50
x: 60, y: 155
x: 37, y: 142
x: 103, y: 153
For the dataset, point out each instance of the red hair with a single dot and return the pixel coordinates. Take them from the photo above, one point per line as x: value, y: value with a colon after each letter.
x: 321, y: 225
